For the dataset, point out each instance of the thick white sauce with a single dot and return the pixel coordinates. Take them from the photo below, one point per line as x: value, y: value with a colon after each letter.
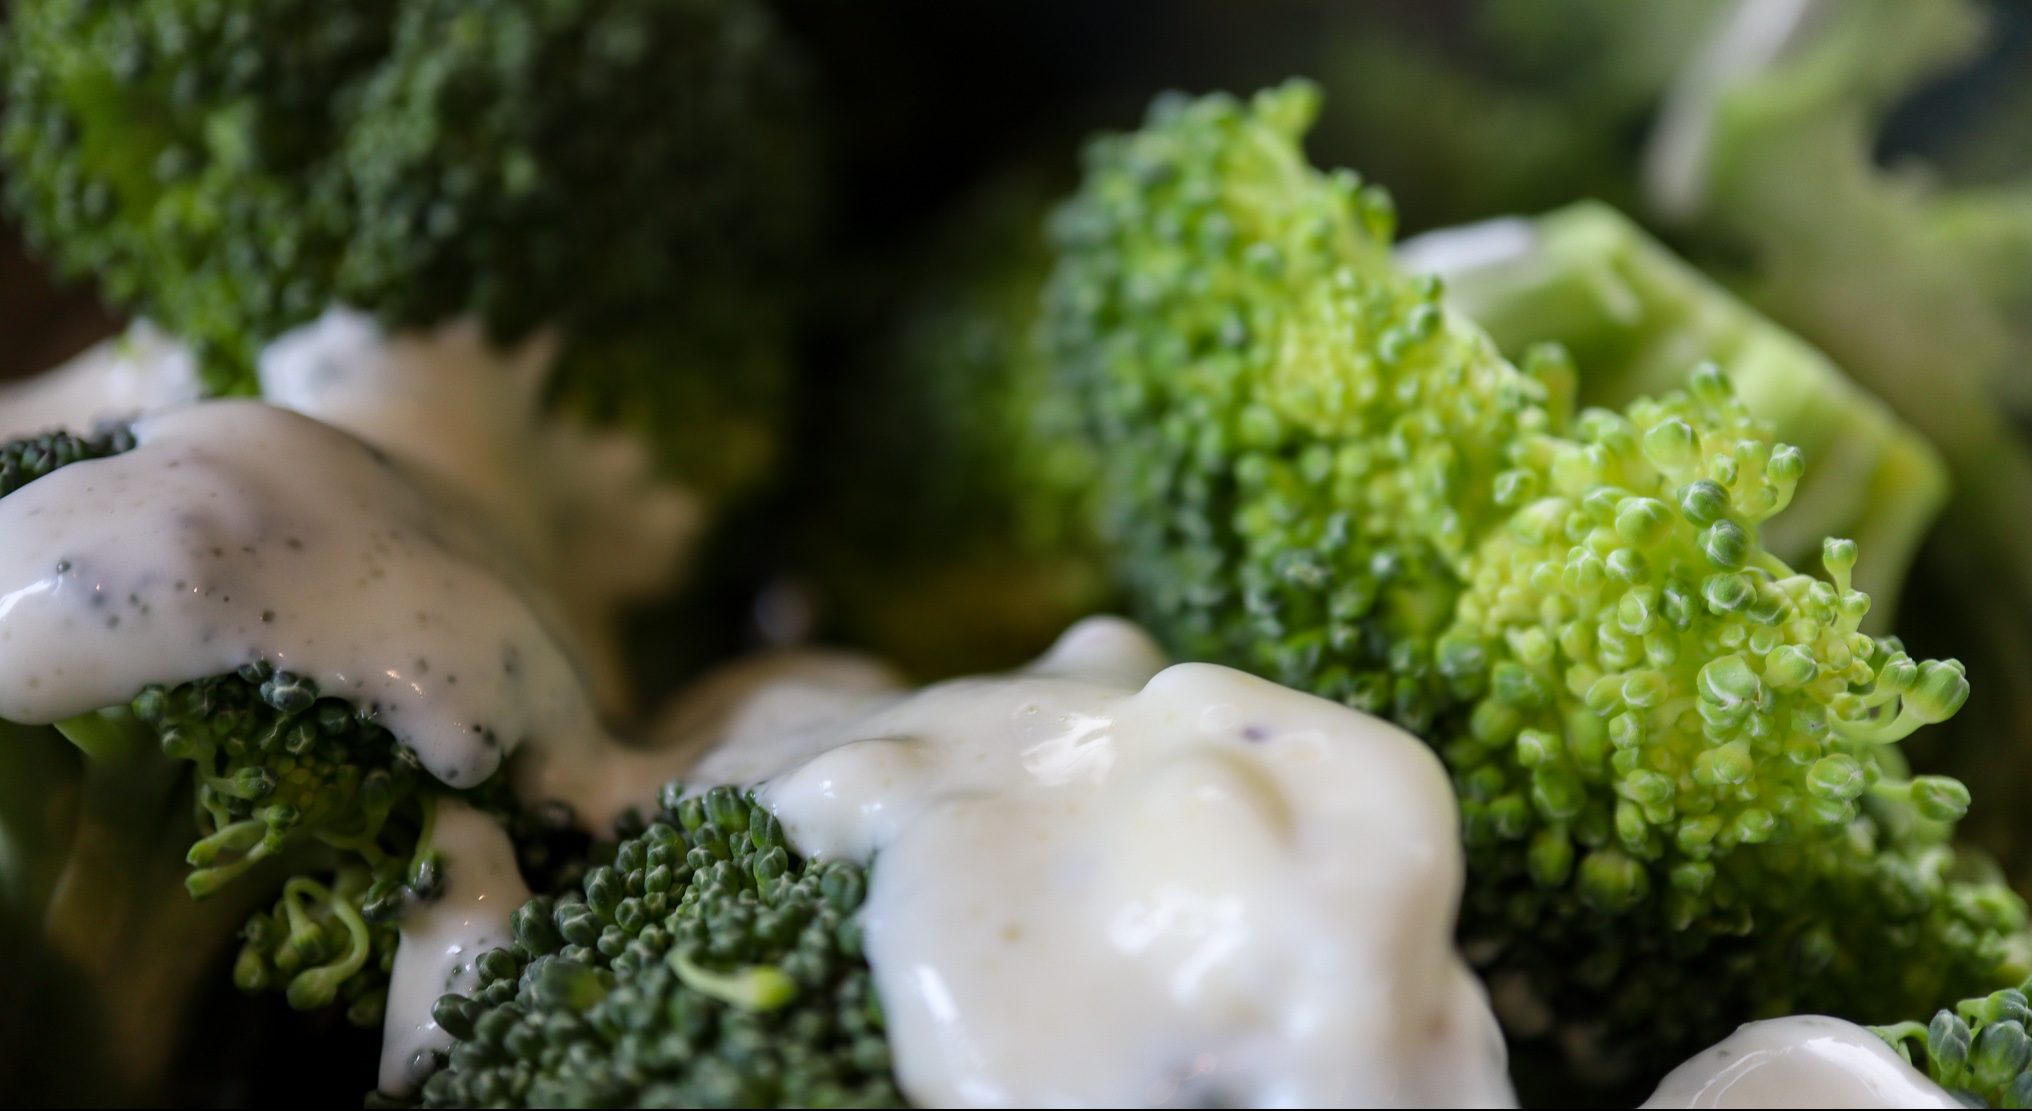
x: 582, y: 508
x: 442, y: 939
x: 1208, y: 890
x: 139, y: 371
x: 234, y: 532
x: 1801, y: 1061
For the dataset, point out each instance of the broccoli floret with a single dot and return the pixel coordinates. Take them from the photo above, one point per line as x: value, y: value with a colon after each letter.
x: 708, y: 966
x: 1916, y: 288
x: 262, y: 768
x: 1633, y: 316
x: 232, y: 170
x: 954, y: 542
x: 278, y: 767
x: 1977, y: 1050
x: 272, y: 767
x: 1681, y: 805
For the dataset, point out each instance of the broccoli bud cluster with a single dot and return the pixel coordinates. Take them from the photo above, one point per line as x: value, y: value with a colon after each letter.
x: 707, y: 966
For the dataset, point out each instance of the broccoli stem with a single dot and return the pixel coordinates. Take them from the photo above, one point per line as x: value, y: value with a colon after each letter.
x: 119, y: 954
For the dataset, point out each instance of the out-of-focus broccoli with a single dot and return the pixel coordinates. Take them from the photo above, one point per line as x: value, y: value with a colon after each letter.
x: 953, y: 542
x: 232, y: 170
x: 1634, y: 317
x: 1873, y: 266
x: 636, y: 174
x: 1673, y: 751
x: 1522, y: 104
x: 708, y: 966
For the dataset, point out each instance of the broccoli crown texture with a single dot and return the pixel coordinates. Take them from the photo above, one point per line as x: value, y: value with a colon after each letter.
x: 708, y: 966
x: 275, y: 767
x: 1317, y: 472
x: 25, y: 460
x: 232, y: 169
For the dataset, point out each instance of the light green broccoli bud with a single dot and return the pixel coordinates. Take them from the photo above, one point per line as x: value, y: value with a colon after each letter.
x: 1674, y: 754
x: 1634, y: 316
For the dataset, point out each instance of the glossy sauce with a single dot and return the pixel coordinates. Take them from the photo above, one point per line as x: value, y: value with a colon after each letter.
x: 1209, y: 890
x: 1800, y: 1061
x: 237, y: 532
x: 443, y: 938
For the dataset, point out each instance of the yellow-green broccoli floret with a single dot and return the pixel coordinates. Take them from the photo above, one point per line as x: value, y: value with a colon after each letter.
x: 1673, y: 751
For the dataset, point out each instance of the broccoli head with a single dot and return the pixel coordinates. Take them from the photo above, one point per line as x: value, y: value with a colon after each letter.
x: 707, y: 966
x: 1673, y: 751
x: 232, y: 170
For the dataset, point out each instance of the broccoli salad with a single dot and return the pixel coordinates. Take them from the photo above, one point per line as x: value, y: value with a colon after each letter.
x: 576, y: 580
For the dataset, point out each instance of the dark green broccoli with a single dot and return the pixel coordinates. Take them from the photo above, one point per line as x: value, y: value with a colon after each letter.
x: 25, y: 460
x: 231, y: 170
x: 1523, y: 104
x: 1673, y: 752
x: 953, y: 542
x: 708, y: 966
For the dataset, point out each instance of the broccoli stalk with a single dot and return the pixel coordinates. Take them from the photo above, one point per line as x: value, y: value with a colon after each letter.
x: 1675, y: 754
x: 111, y: 958
x: 708, y: 966
x: 1536, y: 100
x: 1633, y: 316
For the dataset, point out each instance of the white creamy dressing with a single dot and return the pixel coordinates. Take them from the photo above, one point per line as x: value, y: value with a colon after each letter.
x: 1800, y: 1061
x: 138, y: 371
x: 233, y: 532
x: 1208, y: 890
x: 1101, y: 880
x: 443, y: 938
x: 582, y: 508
